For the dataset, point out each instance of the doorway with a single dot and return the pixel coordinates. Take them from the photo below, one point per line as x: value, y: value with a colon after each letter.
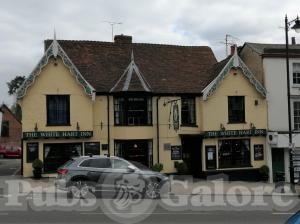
x: 191, y: 153
x: 278, y: 164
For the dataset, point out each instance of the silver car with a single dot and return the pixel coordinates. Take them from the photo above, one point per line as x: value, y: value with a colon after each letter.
x: 83, y: 175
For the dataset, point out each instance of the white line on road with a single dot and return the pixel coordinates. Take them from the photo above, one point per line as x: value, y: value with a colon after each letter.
x: 147, y: 213
x: 283, y: 213
x: 15, y: 173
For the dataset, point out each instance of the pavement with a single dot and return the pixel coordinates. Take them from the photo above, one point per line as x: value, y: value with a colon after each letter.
x: 26, y: 200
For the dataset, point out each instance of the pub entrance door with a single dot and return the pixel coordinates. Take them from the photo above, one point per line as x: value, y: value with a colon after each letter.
x: 191, y: 153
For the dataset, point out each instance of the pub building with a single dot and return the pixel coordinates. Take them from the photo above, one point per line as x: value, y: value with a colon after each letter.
x: 149, y: 103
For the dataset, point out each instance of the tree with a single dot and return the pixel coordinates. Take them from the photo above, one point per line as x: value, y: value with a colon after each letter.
x: 14, y: 84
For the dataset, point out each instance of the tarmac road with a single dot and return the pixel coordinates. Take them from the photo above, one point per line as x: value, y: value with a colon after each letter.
x: 10, y: 167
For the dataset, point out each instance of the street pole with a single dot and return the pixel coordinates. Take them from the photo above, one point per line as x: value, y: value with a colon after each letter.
x: 292, y: 179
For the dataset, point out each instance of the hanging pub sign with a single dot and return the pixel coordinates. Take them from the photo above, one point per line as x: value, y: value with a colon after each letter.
x: 176, y: 116
x: 57, y: 134
x: 176, y: 152
x: 235, y: 133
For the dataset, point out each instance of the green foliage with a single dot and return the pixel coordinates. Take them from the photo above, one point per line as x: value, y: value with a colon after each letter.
x: 158, y: 167
x: 264, y: 172
x: 181, y: 167
x: 17, y: 111
x: 37, y: 164
x: 14, y: 84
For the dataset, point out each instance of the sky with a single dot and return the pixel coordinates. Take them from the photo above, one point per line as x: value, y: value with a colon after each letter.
x: 25, y: 24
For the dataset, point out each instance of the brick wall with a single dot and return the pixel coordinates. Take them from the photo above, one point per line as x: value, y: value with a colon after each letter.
x: 15, y: 128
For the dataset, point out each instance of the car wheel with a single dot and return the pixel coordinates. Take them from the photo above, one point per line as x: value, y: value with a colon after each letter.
x: 152, y: 190
x: 79, y: 189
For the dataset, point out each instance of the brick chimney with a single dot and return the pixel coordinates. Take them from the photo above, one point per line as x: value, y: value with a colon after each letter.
x: 293, y: 41
x: 232, y: 49
x: 123, y: 39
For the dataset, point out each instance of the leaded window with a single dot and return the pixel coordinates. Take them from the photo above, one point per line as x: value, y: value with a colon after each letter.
x: 236, y: 109
x: 133, y: 111
x: 188, y: 114
x: 58, y: 110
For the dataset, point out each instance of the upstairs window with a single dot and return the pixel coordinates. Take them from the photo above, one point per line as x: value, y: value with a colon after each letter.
x: 236, y: 109
x: 297, y: 116
x: 296, y: 73
x: 188, y: 114
x: 133, y: 111
x: 58, y: 110
x: 5, y: 129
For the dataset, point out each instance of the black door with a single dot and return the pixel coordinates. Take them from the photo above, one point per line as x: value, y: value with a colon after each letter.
x: 191, y: 153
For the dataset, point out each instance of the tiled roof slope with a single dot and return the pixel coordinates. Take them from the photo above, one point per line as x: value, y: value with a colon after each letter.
x: 262, y: 48
x: 166, y: 68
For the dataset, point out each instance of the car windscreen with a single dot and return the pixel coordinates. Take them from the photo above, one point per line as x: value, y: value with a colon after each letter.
x: 67, y: 163
x: 139, y: 165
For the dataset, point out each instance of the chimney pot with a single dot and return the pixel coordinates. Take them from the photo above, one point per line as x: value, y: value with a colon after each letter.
x: 123, y: 39
x: 293, y: 41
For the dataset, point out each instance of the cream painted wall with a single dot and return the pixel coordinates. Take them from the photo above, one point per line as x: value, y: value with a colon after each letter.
x: 56, y: 79
x: 215, y: 109
x: 215, y: 112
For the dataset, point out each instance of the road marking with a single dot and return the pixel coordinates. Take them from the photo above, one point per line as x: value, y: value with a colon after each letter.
x: 15, y: 173
x: 147, y: 213
x: 283, y: 213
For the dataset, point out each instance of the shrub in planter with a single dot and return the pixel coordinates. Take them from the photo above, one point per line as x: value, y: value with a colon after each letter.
x: 157, y: 167
x: 181, y: 167
x: 264, y: 173
x: 37, y: 166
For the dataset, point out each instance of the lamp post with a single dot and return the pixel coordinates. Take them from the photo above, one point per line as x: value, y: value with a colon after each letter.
x: 296, y: 27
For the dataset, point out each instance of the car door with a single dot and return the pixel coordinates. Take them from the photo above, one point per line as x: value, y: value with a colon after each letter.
x: 122, y: 176
x: 97, y: 171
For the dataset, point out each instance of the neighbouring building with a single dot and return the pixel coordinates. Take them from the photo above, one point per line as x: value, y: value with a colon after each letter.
x: 11, y: 128
x: 269, y: 63
x: 150, y: 103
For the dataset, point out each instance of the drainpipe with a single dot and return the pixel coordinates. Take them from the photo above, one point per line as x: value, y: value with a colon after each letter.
x: 108, y: 126
x: 157, y: 128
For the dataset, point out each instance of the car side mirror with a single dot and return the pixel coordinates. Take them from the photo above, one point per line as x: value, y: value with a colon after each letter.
x: 131, y: 169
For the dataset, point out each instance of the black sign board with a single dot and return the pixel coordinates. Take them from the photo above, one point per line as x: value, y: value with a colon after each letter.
x: 235, y: 133
x: 57, y: 134
x: 176, y: 152
x: 211, y: 160
x: 258, y: 152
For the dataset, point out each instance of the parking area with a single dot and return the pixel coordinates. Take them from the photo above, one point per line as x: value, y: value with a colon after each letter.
x: 10, y: 167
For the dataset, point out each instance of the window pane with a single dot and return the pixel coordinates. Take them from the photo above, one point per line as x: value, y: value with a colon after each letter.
x: 58, y: 110
x: 91, y: 148
x: 100, y: 163
x: 5, y: 129
x: 120, y: 164
x: 188, y: 115
x: 236, y: 109
x: 234, y: 153
x: 297, y: 116
x: 32, y: 151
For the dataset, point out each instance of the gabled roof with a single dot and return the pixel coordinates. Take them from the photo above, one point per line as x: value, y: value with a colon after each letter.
x: 262, y: 48
x: 131, y: 80
x: 4, y: 108
x: 221, y: 70
x: 166, y: 69
x: 54, y: 50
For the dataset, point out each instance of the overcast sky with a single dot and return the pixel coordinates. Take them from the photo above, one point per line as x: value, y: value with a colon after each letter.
x: 24, y: 24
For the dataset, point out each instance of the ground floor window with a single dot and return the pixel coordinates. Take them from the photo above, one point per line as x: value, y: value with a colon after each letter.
x: 56, y: 155
x: 234, y: 153
x: 91, y: 148
x: 135, y: 150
